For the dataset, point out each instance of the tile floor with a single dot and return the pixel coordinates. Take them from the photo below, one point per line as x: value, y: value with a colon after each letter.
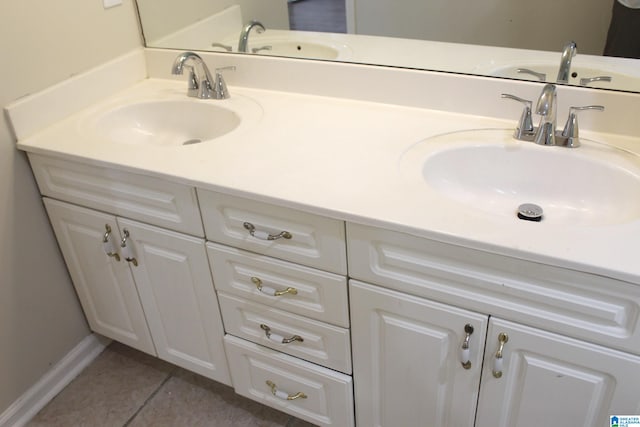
x: 124, y: 387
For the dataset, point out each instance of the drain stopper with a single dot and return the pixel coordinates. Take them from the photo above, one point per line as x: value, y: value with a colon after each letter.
x: 530, y: 212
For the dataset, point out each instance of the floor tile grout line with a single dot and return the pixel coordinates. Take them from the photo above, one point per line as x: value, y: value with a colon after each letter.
x: 148, y: 399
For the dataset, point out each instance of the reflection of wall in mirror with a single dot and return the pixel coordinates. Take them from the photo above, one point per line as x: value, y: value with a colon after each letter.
x: 524, y: 24
x: 183, y: 13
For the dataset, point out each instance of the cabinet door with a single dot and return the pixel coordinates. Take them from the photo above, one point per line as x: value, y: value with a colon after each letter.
x: 179, y: 300
x: 549, y: 379
x: 104, y: 285
x: 407, y: 360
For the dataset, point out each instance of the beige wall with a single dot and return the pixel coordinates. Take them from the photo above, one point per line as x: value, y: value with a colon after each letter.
x: 541, y: 24
x: 41, y: 43
x: 163, y: 17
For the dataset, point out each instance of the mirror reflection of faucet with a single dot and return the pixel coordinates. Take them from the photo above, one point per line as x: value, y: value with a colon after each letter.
x: 546, y: 132
x: 564, y: 71
x: 568, y: 52
x: 244, y: 34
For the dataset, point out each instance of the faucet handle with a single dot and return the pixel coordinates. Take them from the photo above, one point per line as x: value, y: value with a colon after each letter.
x: 570, y: 131
x: 588, y: 80
x: 222, y: 46
x: 540, y: 76
x: 219, y: 86
x: 525, y: 125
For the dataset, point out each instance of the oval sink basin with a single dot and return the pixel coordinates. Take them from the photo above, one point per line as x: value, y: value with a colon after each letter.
x: 166, y: 123
x: 489, y: 171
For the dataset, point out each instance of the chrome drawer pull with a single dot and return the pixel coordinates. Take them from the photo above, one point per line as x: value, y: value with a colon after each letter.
x: 465, y: 352
x: 263, y: 235
x: 270, y: 291
x: 282, y: 395
x: 107, y: 244
x: 279, y: 338
x: 497, y: 362
x: 127, y: 253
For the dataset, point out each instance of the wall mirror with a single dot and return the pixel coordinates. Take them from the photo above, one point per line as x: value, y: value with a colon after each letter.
x: 517, y: 39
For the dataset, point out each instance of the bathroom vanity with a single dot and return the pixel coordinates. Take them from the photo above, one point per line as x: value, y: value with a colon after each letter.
x: 294, y: 259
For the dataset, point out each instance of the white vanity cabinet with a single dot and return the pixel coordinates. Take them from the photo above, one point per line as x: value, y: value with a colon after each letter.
x: 407, y: 347
x: 104, y: 284
x: 408, y: 359
x: 280, y: 278
x: 143, y: 285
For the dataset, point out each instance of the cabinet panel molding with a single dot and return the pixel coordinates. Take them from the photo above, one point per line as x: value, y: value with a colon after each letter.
x: 315, y: 241
x: 549, y: 379
x: 105, y: 286
x: 324, y: 344
x: 319, y: 295
x: 329, y: 394
x: 586, y: 306
x: 173, y: 279
x: 152, y: 200
x: 407, y: 359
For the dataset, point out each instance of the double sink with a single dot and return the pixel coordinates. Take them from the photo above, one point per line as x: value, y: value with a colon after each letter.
x: 482, y: 171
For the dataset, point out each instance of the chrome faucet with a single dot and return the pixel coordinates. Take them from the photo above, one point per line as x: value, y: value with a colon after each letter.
x: 569, y: 51
x: 546, y: 133
x: 200, y: 82
x: 546, y: 108
x: 244, y: 34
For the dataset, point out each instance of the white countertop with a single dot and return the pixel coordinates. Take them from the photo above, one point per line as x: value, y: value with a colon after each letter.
x: 340, y: 158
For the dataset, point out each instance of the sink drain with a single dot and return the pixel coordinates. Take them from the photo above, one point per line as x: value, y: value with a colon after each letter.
x: 530, y: 212
x: 192, y: 141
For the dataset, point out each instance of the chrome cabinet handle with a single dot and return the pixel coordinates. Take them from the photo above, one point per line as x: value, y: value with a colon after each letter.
x: 270, y: 291
x: 497, y: 361
x: 107, y: 244
x: 279, y: 338
x: 465, y: 352
x: 263, y: 235
x: 127, y: 253
x: 282, y: 395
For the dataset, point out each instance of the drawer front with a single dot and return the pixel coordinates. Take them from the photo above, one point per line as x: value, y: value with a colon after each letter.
x: 298, y: 336
x: 269, y: 377
x: 305, y: 291
x: 581, y: 305
x: 314, y: 240
x: 150, y: 200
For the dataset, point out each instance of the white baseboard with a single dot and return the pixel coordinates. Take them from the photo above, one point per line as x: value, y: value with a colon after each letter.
x: 51, y: 383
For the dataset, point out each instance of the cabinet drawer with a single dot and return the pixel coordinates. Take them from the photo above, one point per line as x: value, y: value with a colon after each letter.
x: 309, y: 339
x: 314, y: 240
x: 150, y: 200
x: 329, y: 394
x: 586, y: 306
x: 314, y: 293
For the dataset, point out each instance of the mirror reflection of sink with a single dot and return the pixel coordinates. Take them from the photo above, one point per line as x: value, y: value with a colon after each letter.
x: 295, y: 49
x: 577, y: 73
x: 489, y: 171
x: 295, y: 44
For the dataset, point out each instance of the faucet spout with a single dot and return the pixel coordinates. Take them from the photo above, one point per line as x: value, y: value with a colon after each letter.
x: 244, y: 34
x: 546, y: 108
x: 569, y: 51
x: 200, y: 80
